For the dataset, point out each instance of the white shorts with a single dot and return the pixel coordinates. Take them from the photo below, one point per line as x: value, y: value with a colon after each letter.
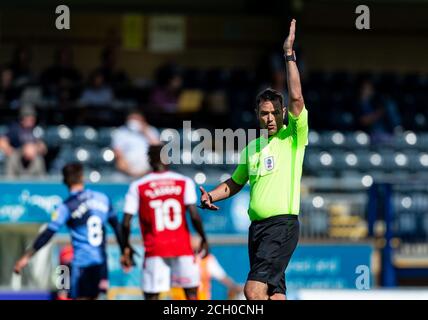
x: 159, y: 274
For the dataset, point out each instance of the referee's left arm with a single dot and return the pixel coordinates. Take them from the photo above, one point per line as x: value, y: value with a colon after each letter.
x: 295, y: 97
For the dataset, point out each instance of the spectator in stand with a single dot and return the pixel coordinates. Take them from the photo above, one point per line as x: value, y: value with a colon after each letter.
x: 25, y: 163
x: 62, y: 80
x: 378, y: 115
x: 165, y: 95
x: 21, y: 133
x: 98, y: 93
x: 130, y: 143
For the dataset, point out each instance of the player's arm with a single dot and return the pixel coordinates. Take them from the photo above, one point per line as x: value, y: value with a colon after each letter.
x: 114, y: 223
x: 127, y: 259
x: 132, y: 200
x: 295, y: 96
x: 197, y: 224
x: 223, y: 191
x: 38, y: 243
x: 126, y: 229
x: 59, y: 217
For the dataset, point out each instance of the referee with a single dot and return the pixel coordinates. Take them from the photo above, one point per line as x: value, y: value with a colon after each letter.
x: 273, y: 166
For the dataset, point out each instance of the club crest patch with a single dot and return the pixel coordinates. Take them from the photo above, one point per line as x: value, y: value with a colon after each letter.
x: 269, y: 163
x: 54, y: 215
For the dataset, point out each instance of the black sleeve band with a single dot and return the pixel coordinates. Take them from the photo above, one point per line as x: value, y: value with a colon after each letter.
x: 42, y: 239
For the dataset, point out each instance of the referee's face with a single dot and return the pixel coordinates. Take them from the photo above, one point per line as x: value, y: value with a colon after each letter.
x: 270, y: 118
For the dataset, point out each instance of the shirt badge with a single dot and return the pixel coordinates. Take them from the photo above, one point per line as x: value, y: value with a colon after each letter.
x: 54, y: 215
x: 269, y: 163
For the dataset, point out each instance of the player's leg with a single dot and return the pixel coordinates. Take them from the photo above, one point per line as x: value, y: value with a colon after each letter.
x: 151, y: 296
x: 256, y: 286
x: 104, y: 284
x: 278, y: 292
x: 156, y: 277
x: 74, y: 281
x: 191, y: 293
x: 186, y: 274
x: 256, y: 290
x: 89, y: 282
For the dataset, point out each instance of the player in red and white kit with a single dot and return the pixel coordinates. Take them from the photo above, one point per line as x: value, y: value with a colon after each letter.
x: 161, y: 199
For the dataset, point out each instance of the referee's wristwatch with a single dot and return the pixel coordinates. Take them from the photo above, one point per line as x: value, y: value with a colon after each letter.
x: 291, y: 57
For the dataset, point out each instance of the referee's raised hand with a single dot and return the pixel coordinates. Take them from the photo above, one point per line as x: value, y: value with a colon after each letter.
x: 288, y: 43
x: 206, y: 200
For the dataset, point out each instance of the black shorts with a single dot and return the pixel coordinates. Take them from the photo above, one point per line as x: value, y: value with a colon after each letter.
x: 271, y: 243
x: 85, y: 281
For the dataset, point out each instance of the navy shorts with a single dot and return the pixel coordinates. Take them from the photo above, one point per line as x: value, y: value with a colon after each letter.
x: 85, y: 281
x: 271, y: 243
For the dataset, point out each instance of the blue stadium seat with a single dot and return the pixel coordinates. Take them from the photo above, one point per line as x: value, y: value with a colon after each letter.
x: 357, y: 139
x: 333, y: 139
x: 104, y: 158
x: 3, y: 130
x: 387, y: 156
x: 405, y: 140
x: 105, y: 136
x: 85, y: 154
x: 83, y: 135
x: 314, y: 139
x: 58, y: 135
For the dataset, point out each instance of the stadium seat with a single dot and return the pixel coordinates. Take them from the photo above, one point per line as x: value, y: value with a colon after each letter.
x: 357, y: 139
x: 84, y: 135
x: 104, y: 158
x: 3, y: 130
x: 104, y: 136
x: 333, y: 139
x: 314, y: 139
x: 405, y: 140
x: 58, y: 135
x: 423, y: 141
x: 86, y: 154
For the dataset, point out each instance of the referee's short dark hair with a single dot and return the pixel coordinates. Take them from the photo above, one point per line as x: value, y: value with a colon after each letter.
x: 72, y: 173
x: 271, y: 95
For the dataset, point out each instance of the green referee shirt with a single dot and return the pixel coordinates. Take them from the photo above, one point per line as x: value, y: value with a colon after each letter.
x: 273, y: 167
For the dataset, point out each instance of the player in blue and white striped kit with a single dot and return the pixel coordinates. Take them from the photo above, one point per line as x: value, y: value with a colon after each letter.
x: 86, y: 214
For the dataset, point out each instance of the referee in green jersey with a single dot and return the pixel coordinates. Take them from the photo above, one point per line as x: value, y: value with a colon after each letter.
x: 273, y: 167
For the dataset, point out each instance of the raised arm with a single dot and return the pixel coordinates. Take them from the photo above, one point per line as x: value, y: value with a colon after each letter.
x: 295, y: 96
